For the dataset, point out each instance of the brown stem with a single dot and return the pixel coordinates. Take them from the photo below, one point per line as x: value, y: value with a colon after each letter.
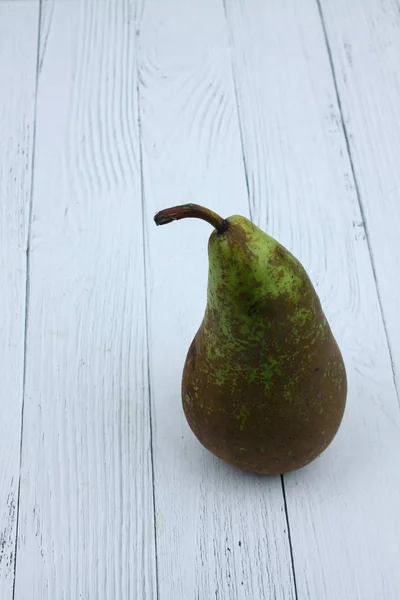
x: 196, y: 211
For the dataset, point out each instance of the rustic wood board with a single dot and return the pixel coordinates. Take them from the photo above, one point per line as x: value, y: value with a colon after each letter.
x: 364, y: 40
x: 86, y: 512
x: 18, y: 44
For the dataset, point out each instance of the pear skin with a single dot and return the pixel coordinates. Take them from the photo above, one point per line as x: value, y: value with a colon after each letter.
x: 264, y: 383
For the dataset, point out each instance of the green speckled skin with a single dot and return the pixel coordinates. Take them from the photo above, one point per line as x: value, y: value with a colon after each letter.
x: 264, y: 384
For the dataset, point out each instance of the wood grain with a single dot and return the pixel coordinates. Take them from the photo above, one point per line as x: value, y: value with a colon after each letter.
x: 343, y: 509
x: 86, y: 512
x: 221, y: 533
x: 18, y: 43
x: 364, y: 38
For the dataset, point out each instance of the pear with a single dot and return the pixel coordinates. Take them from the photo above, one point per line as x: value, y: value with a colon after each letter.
x: 264, y: 384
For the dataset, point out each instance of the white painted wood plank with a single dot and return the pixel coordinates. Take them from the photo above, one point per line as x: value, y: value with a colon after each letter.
x: 343, y: 508
x: 18, y: 44
x: 364, y: 37
x: 86, y: 515
x: 221, y: 533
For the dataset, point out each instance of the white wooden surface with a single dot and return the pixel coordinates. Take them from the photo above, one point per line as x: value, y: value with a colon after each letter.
x: 283, y: 111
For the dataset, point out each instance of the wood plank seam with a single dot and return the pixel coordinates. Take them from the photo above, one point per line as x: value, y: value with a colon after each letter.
x: 240, y: 123
x: 27, y: 290
x: 289, y: 537
x: 146, y: 295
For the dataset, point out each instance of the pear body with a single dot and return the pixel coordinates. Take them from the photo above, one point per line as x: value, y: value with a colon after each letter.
x: 264, y: 384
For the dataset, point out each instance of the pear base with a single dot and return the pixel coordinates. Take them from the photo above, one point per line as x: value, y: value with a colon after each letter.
x: 246, y: 457
x: 271, y: 434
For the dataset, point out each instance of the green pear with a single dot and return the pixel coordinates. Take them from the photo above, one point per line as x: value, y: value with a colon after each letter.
x: 264, y: 384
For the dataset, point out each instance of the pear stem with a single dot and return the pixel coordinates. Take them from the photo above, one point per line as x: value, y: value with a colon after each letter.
x: 195, y: 211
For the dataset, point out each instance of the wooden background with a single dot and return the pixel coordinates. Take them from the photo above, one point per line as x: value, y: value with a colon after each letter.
x: 284, y: 111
